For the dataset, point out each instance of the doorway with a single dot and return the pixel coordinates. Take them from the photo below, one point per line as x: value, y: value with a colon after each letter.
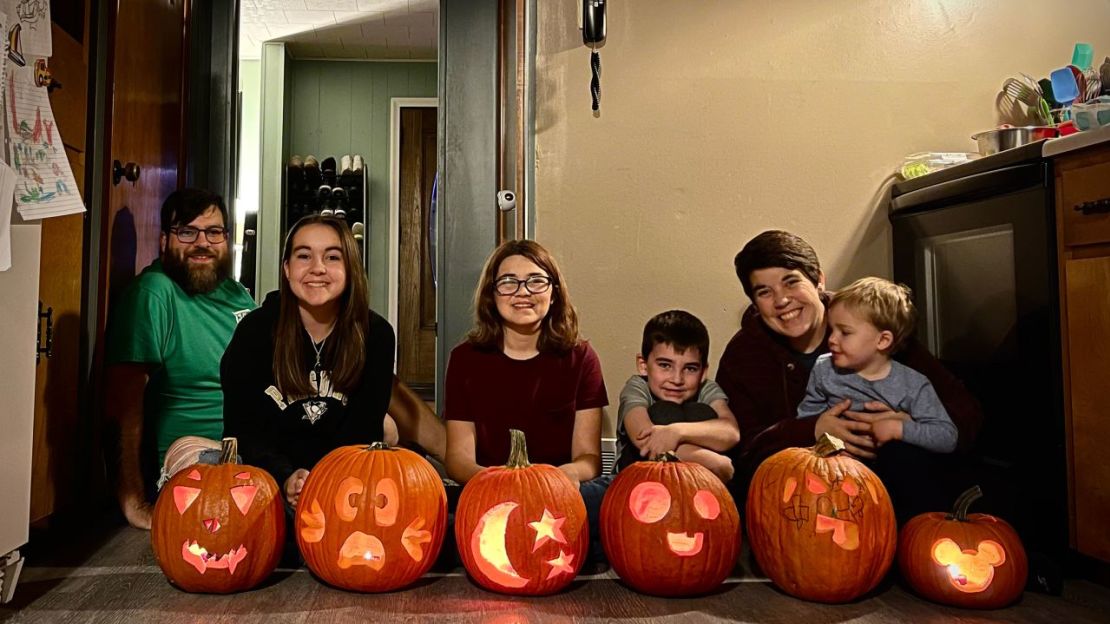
x: 412, y: 287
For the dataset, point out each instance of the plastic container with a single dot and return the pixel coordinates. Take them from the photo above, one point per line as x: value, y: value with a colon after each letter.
x: 1092, y: 114
x: 921, y: 163
x: 1082, y: 56
x: 1064, y: 87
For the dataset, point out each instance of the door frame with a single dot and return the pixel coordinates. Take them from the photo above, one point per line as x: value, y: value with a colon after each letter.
x: 395, y: 106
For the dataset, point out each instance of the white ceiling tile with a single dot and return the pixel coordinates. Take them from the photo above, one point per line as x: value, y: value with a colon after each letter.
x: 382, y: 5
x: 331, y: 5
x: 286, y: 30
x: 351, y: 17
x: 258, y: 32
x: 287, y: 5
x: 423, y: 6
x: 310, y: 17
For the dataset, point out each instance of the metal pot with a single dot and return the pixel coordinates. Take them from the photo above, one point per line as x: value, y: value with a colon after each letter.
x: 994, y: 141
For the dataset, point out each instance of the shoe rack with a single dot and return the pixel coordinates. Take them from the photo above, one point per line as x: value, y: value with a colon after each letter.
x: 330, y: 187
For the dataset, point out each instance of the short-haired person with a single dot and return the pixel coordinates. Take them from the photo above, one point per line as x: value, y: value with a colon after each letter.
x: 312, y: 368
x: 765, y: 369
x: 670, y: 406
x: 869, y: 321
x: 524, y: 366
x: 164, y: 343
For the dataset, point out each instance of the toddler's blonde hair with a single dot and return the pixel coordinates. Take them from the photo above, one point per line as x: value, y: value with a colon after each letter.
x: 886, y: 305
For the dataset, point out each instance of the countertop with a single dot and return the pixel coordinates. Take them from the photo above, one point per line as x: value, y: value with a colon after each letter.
x: 1072, y: 142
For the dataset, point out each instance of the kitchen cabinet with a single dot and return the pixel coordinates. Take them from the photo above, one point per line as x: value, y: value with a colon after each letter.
x: 1083, y: 237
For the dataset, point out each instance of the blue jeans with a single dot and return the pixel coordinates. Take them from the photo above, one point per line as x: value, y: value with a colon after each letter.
x: 593, y: 493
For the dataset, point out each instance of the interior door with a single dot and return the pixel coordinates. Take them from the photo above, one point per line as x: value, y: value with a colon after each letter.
x: 416, y: 293
x: 144, y: 126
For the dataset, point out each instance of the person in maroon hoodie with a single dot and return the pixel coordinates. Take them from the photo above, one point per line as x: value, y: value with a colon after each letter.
x: 765, y: 367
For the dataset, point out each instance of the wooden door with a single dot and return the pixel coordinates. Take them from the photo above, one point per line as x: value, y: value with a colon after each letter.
x: 57, y: 456
x: 416, y: 294
x: 1088, y: 308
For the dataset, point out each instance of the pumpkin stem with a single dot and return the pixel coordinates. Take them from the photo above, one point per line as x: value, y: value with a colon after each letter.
x: 229, y: 451
x: 518, y: 450
x: 669, y: 456
x: 959, y: 509
x: 378, y: 446
x: 828, y: 445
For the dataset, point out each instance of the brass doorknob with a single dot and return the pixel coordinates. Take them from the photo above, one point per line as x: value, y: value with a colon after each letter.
x: 130, y: 172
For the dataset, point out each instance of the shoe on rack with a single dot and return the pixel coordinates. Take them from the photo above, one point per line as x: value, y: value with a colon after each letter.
x: 345, y: 164
x: 356, y: 164
x: 295, y: 171
x: 326, y: 212
x: 329, y: 177
x: 339, y: 194
x: 311, y: 171
x: 323, y: 192
x: 328, y: 164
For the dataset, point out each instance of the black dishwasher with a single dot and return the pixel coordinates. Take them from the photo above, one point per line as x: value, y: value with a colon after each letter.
x: 977, y: 244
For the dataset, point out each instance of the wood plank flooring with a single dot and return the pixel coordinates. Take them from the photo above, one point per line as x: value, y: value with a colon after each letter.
x: 109, y: 575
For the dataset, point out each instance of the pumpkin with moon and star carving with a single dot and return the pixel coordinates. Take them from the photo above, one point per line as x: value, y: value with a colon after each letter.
x: 218, y: 528
x: 974, y: 561
x: 820, y: 523
x: 371, y: 518
x: 670, y: 528
x: 521, y: 528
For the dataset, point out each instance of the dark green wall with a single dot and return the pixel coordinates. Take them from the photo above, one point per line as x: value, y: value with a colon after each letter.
x: 343, y: 107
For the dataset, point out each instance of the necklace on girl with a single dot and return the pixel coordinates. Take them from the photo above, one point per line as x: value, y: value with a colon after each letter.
x: 315, y: 408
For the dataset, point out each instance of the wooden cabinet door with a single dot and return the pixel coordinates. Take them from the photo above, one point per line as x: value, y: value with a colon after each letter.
x: 58, y: 457
x: 1087, y: 287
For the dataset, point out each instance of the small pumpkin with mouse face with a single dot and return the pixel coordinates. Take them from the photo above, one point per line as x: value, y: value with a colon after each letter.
x: 974, y: 561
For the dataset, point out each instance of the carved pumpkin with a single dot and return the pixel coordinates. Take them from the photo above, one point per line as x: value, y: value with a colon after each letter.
x: 371, y: 518
x: 670, y: 528
x: 821, y: 524
x: 974, y: 561
x: 218, y: 528
x: 521, y: 528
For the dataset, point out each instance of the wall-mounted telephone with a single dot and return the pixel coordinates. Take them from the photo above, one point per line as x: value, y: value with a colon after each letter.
x: 593, y: 23
x: 593, y: 35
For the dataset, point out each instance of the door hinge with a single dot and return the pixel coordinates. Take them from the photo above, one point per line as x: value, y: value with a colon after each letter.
x: 48, y: 349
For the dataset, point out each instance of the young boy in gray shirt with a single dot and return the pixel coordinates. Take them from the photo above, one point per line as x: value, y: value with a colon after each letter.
x: 869, y: 320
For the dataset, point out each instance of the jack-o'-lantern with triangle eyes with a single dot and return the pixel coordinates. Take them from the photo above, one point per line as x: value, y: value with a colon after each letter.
x: 974, y: 561
x: 218, y: 528
x: 670, y: 528
x: 820, y: 523
x: 521, y: 528
x: 371, y: 518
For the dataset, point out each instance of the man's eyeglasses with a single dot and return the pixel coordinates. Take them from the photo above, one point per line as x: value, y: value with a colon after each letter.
x: 535, y: 285
x: 189, y: 234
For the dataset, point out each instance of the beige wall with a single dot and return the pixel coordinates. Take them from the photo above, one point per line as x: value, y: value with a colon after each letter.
x: 721, y: 119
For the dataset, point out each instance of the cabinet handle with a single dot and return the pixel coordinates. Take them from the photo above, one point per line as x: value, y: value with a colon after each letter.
x: 48, y: 348
x: 1094, y: 207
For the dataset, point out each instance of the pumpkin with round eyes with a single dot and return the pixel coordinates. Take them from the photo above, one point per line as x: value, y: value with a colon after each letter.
x: 670, y: 528
x: 820, y: 523
x: 966, y: 560
x: 521, y: 528
x: 218, y: 528
x: 371, y: 518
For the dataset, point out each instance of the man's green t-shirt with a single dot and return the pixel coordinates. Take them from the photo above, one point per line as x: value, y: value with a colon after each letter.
x: 183, y: 336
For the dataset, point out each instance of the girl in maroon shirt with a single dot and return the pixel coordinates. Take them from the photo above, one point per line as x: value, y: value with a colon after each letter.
x: 524, y: 366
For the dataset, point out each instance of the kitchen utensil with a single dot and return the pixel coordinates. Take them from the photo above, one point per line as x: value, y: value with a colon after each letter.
x: 1092, y: 114
x: 1082, y: 56
x: 1029, y: 95
x: 999, y: 139
x: 1104, y: 75
x: 1064, y: 87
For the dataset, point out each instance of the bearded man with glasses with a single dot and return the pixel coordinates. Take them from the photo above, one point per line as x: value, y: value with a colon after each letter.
x: 165, y: 339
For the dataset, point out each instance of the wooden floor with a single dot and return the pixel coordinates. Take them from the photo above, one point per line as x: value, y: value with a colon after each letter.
x: 109, y: 575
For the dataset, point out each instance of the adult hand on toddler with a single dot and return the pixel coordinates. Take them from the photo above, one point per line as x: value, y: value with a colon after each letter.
x: 657, y: 440
x: 874, y: 411
x: 855, y: 433
x: 294, y: 484
x: 886, y: 430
